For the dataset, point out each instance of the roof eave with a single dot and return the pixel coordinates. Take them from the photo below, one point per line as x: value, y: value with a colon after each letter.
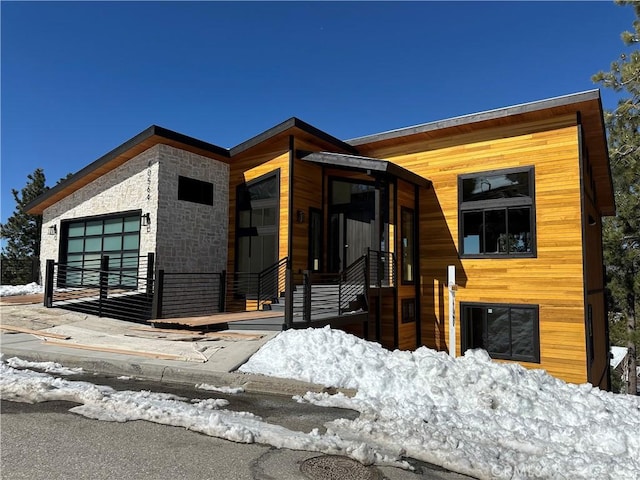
x: 153, y: 130
x: 478, y: 117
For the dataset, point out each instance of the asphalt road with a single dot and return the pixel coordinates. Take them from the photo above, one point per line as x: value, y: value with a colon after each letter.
x: 46, y: 441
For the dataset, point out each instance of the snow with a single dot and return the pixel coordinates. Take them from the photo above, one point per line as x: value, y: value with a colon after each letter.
x: 617, y: 355
x: 204, y: 416
x: 49, y: 367
x: 29, y: 289
x: 468, y: 414
x: 225, y: 389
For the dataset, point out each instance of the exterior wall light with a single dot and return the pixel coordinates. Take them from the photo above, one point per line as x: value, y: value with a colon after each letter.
x: 53, y: 229
x: 146, y: 219
x: 592, y: 221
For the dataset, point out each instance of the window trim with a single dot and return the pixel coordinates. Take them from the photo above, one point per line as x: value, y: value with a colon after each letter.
x: 465, y: 337
x: 506, y: 204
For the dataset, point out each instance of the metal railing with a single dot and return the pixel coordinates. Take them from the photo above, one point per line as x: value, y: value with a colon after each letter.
x: 382, y: 269
x: 260, y: 289
x: 188, y: 294
x: 106, y: 292
x: 318, y: 296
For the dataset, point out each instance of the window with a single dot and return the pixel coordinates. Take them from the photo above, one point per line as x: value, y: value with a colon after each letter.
x: 86, y: 241
x: 196, y: 191
x: 497, y: 216
x: 257, y: 217
x: 408, y: 310
x: 407, y: 232
x: 504, y: 331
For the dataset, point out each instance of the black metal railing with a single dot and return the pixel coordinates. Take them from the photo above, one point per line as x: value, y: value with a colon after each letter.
x: 260, y: 289
x: 19, y: 271
x: 188, y: 294
x: 104, y: 291
x: 382, y: 269
x: 319, y: 296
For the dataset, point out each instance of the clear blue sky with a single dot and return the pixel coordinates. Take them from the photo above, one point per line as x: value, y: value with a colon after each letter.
x: 80, y: 78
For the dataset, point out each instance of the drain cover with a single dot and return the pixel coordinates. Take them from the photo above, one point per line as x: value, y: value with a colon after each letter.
x: 335, y: 467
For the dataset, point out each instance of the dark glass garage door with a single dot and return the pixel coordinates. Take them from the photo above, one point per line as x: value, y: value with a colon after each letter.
x: 85, y: 241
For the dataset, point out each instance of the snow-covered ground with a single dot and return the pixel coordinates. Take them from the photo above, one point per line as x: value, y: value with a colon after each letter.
x: 9, y: 290
x: 469, y: 414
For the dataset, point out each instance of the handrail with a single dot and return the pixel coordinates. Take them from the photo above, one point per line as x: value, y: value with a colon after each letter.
x: 261, y: 286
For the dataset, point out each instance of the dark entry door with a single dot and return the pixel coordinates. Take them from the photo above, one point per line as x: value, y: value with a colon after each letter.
x: 352, y: 223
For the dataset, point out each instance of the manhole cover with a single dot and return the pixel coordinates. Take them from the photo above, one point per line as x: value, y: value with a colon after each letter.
x: 335, y: 467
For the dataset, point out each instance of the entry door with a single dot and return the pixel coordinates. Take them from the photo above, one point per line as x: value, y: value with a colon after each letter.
x: 352, y: 226
x: 358, y: 232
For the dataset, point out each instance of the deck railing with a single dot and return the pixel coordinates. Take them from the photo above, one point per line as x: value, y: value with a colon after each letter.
x: 180, y: 294
x: 258, y: 290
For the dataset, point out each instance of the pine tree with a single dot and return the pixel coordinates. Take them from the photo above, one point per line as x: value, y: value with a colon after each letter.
x: 621, y: 234
x: 22, y: 231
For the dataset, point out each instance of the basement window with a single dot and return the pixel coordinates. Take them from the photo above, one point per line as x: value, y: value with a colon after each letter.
x: 509, y: 332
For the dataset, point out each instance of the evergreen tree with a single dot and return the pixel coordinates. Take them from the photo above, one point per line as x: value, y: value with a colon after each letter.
x: 621, y: 234
x: 22, y: 231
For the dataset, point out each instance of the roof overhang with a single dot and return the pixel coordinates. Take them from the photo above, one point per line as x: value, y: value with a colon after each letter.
x: 292, y: 126
x: 585, y: 107
x: 372, y: 166
x: 146, y: 139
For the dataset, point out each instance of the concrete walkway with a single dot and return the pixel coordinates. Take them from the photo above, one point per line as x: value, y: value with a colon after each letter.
x: 118, y: 348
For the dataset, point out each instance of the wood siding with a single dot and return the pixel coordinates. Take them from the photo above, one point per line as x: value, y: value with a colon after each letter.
x: 553, y: 280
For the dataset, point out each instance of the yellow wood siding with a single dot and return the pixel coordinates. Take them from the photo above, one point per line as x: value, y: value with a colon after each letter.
x: 553, y: 280
x: 244, y: 169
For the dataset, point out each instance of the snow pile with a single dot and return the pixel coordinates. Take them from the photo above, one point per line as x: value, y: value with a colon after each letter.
x: 204, y: 416
x: 469, y: 414
x: 213, y: 388
x: 48, y: 367
x: 29, y: 289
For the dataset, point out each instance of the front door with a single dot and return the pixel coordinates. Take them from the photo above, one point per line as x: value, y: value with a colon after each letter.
x: 352, y: 222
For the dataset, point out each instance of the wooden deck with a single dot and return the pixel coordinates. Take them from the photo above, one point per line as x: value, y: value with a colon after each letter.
x: 218, y: 318
x: 22, y: 299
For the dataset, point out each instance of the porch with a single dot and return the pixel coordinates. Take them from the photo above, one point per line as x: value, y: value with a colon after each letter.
x: 273, y: 299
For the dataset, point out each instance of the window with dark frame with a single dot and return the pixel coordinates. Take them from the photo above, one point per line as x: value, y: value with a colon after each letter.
x: 497, y: 213
x: 408, y: 310
x: 407, y: 234
x: 509, y: 332
x: 195, y: 191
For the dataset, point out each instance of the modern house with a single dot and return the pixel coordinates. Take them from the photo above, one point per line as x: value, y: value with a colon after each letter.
x: 361, y: 233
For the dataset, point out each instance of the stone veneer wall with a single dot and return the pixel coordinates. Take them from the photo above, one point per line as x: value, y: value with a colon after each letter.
x: 191, y: 237
x: 131, y: 186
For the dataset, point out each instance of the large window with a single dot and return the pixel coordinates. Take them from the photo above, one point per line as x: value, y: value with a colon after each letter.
x: 504, y: 331
x: 86, y: 241
x: 497, y: 214
x: 257, y: 228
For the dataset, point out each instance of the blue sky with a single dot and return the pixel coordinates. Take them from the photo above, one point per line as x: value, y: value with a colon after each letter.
x: 80, y: 78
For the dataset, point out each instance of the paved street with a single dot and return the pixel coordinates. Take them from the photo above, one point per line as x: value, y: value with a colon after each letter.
x: 45, y: 441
